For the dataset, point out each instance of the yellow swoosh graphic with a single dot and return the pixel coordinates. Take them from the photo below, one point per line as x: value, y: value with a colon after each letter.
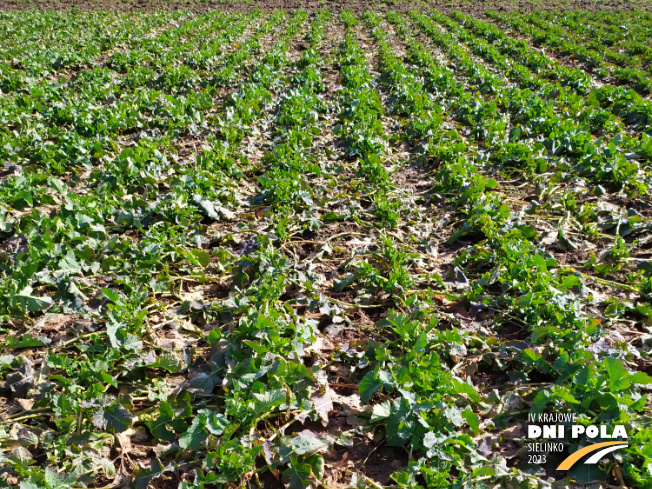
x: 574, y: 457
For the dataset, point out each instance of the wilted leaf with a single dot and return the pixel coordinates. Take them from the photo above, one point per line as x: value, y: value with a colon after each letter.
x: 207, y: 206
x: 21, y: 456
x: 143, y: 476
x: 167, y: 361
x: 202, y: 385
x: 27, y: 438
x: 381, y: 411
x: 30, y: 303
x: 306, y: 442
x: 114, y: 418
x: 323, y: 406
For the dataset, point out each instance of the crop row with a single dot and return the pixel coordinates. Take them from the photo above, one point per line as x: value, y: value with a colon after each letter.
x: 507, y: 256
x: 595, y: 56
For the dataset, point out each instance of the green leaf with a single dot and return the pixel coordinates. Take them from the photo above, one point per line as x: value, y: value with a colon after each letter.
x: 59, y: 480
x: 472, y: 419
x: 369, y: 384
x: 333, y: 216
x: 118, y: 338
x: 317, y: 465
x: 340, y: 284
x: 618, y: 376
x: 269, y: 399
x: 434, y: 443
x: 460, y: 387
x: 58, y: 185
x: 297, y: 475
x: 21, y: 456
x: 422, y: 343
x: 196, y: 434
x: 490, y: 183
x: 163, y: 427
x: 68, y: 265
x: 454, y: 414
x: 640, y: 378
x: 199, y: 257
x: 217, y: 423
x: 28, y: 485
x: 571, y: 281
x: 112, y: 295
x: 26, y: 341
x: 531, y: 356
x: 107, y: 467
x: 483, y: 472
x: 401, y: 423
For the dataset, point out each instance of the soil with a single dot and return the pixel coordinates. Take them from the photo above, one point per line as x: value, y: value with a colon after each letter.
x: 475, y: 8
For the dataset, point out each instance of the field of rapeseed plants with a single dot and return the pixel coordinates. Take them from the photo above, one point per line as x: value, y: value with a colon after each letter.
x: 326, y: 249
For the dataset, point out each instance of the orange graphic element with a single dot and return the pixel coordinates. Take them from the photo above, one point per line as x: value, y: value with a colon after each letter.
x: 574, y: 457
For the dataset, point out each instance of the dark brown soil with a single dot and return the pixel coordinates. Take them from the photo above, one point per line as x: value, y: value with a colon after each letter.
x: 475, y: 8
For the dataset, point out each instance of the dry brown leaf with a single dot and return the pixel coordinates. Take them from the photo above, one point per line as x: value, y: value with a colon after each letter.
x: 352, y: 403
x: 323, y: 406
